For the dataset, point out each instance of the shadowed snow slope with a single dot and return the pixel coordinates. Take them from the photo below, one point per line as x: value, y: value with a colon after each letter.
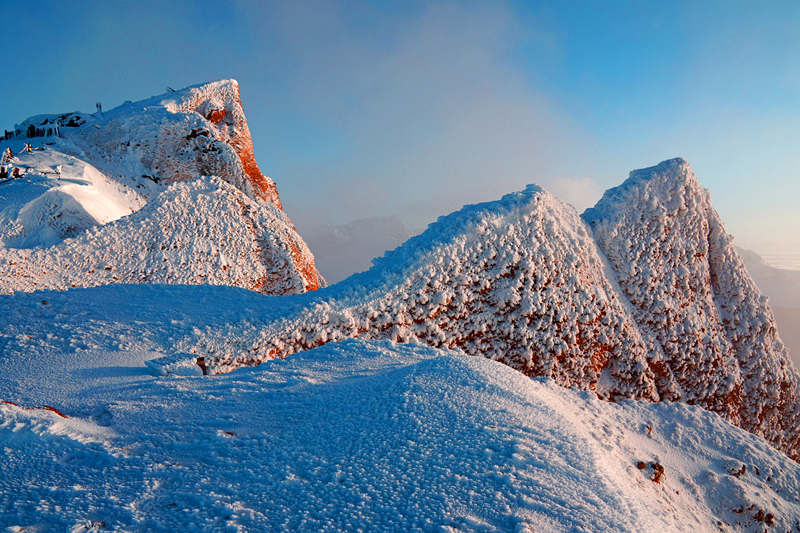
x: 365, y: 435
x: 690, y: 292
x: 133, y: 154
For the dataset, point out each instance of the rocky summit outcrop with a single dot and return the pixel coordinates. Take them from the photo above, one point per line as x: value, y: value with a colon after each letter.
x: 144, y: 148
x: 642, y: 297
x: 692, y: 295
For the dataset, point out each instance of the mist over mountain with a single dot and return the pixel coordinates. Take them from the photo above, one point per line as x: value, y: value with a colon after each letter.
x: 344, y: 249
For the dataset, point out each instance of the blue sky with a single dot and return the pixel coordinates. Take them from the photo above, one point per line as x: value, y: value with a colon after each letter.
x: 413, y: 109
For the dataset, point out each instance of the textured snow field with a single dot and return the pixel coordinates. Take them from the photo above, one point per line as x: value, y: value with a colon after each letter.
x: 356, y: 435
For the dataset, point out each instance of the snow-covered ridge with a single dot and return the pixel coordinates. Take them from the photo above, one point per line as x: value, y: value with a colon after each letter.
x: 518, y: 280
x: 131, y: 154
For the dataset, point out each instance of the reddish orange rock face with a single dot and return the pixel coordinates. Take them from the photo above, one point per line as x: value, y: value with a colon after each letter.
x: 216, y: 115
x: 230, y: 122
x: 243, y: 144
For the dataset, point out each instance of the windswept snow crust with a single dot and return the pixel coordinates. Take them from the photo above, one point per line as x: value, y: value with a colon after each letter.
x: 87, y: 171
x: 373, y: 436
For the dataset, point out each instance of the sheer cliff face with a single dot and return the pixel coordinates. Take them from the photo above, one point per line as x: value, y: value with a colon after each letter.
x: 220, y: 104
x: 692, y: 295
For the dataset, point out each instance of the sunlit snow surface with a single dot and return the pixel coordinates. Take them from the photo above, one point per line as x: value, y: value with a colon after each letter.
x: 354, y: 435
x: 58, y: 197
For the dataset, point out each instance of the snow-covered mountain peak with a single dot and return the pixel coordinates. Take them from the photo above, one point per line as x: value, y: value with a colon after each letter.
x: 472, y: 219
x: 674, y: 168
x: 691, y: 294
x: 220, y: 104
x: 143, y: 148
x: 213, y: 94
x: 199, y: 130
x: 671, y: 184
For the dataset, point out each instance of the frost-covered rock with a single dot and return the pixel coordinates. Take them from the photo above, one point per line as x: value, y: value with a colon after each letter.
x: 518, y: 280
x: 113, y: 163
x: 691, y: 293
x: 203, y: 231
x: 197, y: 131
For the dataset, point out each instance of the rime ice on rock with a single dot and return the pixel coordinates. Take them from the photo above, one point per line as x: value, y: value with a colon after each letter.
x: 202, y: 231
x: 156, y: 143
x: 692, y: 295
x: 518, y: 280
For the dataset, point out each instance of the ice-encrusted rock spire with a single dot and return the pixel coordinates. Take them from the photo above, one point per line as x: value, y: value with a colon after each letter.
x: 692, y: 295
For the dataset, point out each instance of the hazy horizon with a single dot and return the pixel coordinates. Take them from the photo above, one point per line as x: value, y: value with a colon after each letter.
x: 413, y: 109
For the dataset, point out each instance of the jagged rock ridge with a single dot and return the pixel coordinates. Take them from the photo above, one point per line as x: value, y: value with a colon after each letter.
x: 518, y: 281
